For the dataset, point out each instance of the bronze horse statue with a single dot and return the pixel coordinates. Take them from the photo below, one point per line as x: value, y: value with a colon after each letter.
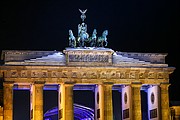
x: 72, y: 39
x: 92, y: 40
x: 102, y: 41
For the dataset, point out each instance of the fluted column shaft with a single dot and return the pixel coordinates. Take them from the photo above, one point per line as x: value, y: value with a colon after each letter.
x: 105, y: 102
x: 37, y: 101
x: 108, y: 106
x: 8, y: 101
x: 136, y: 101
x: 67, y: 102
x: 165, y: 110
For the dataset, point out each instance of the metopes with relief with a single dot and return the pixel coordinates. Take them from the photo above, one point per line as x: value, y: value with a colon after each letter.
x: 88, y: 57
x: 83, y: 39
x: 100, y: 74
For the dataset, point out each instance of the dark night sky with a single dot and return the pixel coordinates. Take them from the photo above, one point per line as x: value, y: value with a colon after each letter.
x: 133, y: 25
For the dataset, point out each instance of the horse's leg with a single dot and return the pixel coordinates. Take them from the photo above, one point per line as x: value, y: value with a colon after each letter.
x: 74, y: 43
x: 82, y: 44
x: 94, y: 42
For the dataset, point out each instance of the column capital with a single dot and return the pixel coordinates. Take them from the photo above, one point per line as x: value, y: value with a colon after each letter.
x: 8, y: 100
x: 136, y: 101
x: 66, y: 101
x: 164, y: 94
x: 37, y: 100
x: 136, y: 84
x: 107, y: 83
x: 69, y: 83
x: 103, y: 102
x: 39, y: 82
x: 9, y: 83
x: 163, y: 85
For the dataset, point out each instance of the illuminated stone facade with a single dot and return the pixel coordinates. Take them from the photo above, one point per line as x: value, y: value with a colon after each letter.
x: 175, y: 110
x: 101, y: 67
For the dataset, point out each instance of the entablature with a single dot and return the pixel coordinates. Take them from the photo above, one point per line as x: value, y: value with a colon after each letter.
x: 82, y: 75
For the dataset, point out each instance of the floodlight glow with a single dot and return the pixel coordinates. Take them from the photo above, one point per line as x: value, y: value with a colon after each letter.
x: 80, y: 113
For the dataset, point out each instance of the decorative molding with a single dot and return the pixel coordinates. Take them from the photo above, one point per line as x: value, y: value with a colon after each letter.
x: 54, y: 74
x: 14, y: 74
x: 86, y: 74
x: 88, y: 57
x: 24, y: 74
x: 35, y: 74
x: 151, y: 75
x: 160, y: 75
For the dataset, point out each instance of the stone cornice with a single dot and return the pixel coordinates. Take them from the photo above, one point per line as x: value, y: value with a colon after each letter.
x: 83, y: 57
x: 149, y: 57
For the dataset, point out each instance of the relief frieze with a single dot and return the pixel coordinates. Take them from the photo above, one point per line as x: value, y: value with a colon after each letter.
x: 74, y: 74
x: 64, y: 74
x: 103, y: 75
x: 13, y: 73
x: 54, y: 74
x: 93, y: 75
x: 24, y: 74
x: 86, y: 74
x: 35, y: 74
x: 160, y: 76
x: 141, y: 75
x: 44, y: 74
x: 122, y: 75
x: 132, y: 75
x: 151, y: 75
x: 88, y: 58
x: 112, y: 75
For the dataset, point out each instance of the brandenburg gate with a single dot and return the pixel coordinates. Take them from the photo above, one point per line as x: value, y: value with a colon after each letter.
x: 87, y: 62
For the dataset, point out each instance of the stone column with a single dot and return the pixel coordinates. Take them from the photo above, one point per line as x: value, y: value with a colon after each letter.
x: 136, y: 101
x: 108, y: 106
x: 32, y: 102
x: 37, y: 101
x: 8, y: 101
x: 164, y: 94
x: 1, y: 113
x: 103, y: 102
x: 67, y: 109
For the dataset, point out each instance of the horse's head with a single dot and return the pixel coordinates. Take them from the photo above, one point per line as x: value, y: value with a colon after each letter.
x: 105, y: 33
x: 70, y: 32
x: 94, y: 32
